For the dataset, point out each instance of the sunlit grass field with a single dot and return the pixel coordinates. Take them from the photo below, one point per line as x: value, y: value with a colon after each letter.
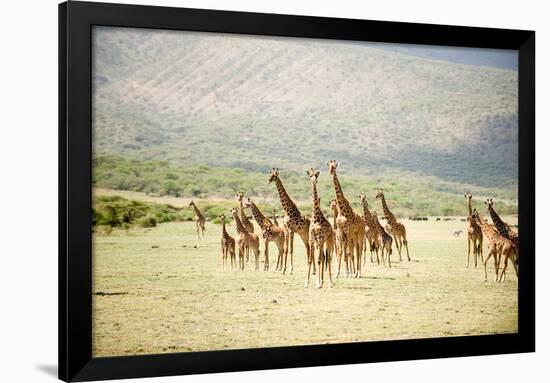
x: 161, y: 290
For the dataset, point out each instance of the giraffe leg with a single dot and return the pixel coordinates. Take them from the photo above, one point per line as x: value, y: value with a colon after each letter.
x: 291, y: 239
x: 480, y: 248
x: 503, y: 272
x: 222, y: 256
x: 266, y: 256
x: 406, y: 243
x: 309, y: 262
x: 351, y: 260
x: 320, y: 266
x: 468, y: 261
x: 358, y: 250
x: 329, y: 253
x: 485, y: 265
x: 287, y: 240
x: 257, y: 256
x: 396, y: 240
x: 497, y: 265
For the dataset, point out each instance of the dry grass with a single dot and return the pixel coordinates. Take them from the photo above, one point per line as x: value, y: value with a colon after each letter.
x: 161, y: 290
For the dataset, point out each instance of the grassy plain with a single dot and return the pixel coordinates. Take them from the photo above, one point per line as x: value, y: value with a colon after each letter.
x: 160, y: 290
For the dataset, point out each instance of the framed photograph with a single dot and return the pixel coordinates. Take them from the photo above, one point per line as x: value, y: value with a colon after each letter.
x: 243, y: 191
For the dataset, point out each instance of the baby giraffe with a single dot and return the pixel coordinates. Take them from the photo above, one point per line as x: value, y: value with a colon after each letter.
x: 321, y: 235
x: 384, y: 239
x: 343, y: 243
x: 271, y: 233
x: 246, y: 239
x: 228, y: 246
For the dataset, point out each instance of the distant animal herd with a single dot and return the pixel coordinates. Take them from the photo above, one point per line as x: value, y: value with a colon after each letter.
x: 348, y: 235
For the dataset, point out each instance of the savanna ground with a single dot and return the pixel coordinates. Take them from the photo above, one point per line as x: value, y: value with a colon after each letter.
x: 160, y: 290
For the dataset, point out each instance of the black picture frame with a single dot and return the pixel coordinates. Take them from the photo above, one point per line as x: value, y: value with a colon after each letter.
x: 75, y: 179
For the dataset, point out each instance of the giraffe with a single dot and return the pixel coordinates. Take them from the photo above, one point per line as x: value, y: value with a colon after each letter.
x: 274, y: 213
x: 356, y: 223
x: 343, y: 243
x: 199, y: 220
x: 246, y: 239
x: 244, y: 220
x: 502, y: 227
x: 271, y: 232
x: 321, y: 235
x: 475, y: 235
x: 294, y: 221
x: 384, y: 239
x: 371, y: 233
x: 394, y: 228
x: 228, y: 245
x: 498, y: 246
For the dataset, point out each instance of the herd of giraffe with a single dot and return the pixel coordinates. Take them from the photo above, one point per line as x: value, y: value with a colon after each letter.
x: 503, y: 242
x: 347, y: 237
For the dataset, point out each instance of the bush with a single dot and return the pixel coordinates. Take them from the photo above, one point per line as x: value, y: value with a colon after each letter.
x: 147, y: 221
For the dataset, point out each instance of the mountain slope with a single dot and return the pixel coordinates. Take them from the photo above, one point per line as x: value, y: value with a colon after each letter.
x: 258, y: 102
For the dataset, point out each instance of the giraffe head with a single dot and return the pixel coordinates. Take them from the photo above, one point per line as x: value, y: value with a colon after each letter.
x: 248, y: 203
x: 475, y: 215
x: 489, y: 203
x: 240, y: 196
x: 313, y: 175
x: 273, y: 175
x: 222, y: 217
x: 468, y: 196
x: 333, y: 204
x: 332, y: 165
x: 191, y: 203
x: 374, y: 215
x: 363, y: 199
x: 380, y: 193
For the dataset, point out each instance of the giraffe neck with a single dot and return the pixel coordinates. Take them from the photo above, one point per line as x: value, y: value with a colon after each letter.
x: 389, y: 215
x: 343, y: 204
x: 377, y: 223
x: 334, y: 214
x: 197, y: 211
x: 224, y: 232
x: 487, y: 230
x: 244, y: 218
x: 469, y: 206
x: 238, y: 224
x: 316, y: 211
x: 367, y: 215
x: 259, y: 217
x: 501, y: 227
x: 288, y: 205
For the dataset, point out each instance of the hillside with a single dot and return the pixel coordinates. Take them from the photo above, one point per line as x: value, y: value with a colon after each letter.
x: 254, y: 103
x: 407, y: 193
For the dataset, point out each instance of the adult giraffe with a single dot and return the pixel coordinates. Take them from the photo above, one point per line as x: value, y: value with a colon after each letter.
x: 355, y: 221
x: 199, y: 220
x: 343, y: 243
x: 294, y: 221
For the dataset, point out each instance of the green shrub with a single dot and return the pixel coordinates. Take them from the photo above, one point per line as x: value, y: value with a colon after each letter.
x: 147, y: 221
